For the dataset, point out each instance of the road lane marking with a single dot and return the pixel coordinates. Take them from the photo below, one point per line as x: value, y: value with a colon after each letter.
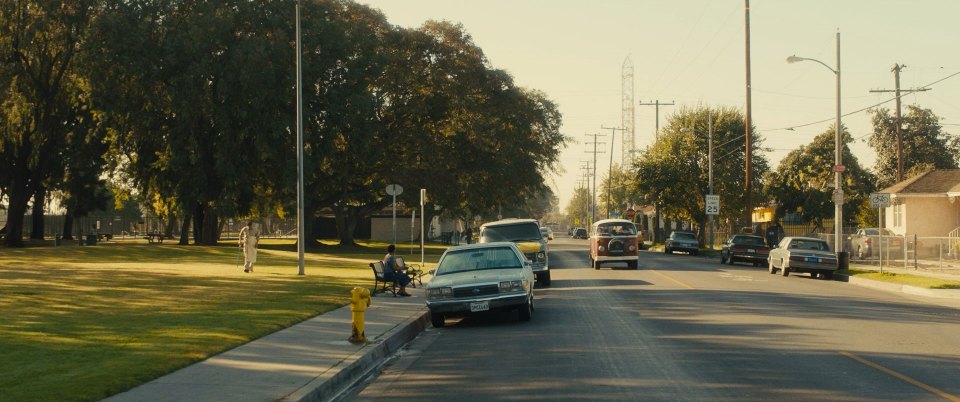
x: 918, y: 384
x: 673, y: 280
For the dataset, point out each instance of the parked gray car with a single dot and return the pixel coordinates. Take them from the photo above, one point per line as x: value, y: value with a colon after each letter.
x: 803, y: 254
x: 866, y: 244
x: 480, y: 277
x: 681, y: 241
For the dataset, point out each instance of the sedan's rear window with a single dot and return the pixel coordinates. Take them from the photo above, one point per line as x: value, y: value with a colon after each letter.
x: 478, y: 259
x: 748, y: 241
x: 684, y: 236
x: 809, y: 245
x: 512, y: 233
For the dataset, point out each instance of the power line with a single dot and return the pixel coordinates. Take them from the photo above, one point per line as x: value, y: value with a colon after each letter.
x: 863, y: 109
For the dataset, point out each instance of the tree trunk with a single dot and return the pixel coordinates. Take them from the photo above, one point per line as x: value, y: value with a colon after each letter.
x: 197, y: 223
x: 68, y: 226
x: 209, y: 233
x: 16, y: 209
x: 346, y: 223
x: 168, y: 228
x: 37, y: 228
x: 185, y: 229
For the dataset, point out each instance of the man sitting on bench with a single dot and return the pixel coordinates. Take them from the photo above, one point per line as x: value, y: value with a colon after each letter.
x: 393, y: 272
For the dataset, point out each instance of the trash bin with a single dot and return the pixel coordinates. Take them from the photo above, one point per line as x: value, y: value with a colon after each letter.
x: 91, y: 240
x: 843, y: 260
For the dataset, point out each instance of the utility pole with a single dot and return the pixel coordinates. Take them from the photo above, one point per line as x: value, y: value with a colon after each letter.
x: 657, y: 104
x: 896, y: 79
x: 593, y: 212
x: 613, y: 131
x: 748, y: 199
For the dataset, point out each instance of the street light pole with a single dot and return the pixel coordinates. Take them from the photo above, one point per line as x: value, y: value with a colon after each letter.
x: 301, y: 216
x: 838, y: 155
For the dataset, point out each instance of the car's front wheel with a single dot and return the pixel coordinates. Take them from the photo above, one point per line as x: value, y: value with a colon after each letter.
x: 544, y: 278
x: 723, y: 260
x: 632, y: 264
x: 783, y: 269
x: 526, y: 311
x: 437, y: 319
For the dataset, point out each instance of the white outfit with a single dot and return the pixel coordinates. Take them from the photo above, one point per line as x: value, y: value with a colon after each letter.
x: 249, y: 237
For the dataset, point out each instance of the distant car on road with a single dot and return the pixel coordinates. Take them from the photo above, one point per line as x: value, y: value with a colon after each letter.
x: 613, y: 240
x: 481, y: 277
x: 546, y: 232
x: 803, y: 254
x: 681, y: 241
x: 580, y: 233
x: 746, y: 248
x: 866, y: 243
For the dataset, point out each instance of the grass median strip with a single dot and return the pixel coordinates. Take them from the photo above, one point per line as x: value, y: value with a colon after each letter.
x: 904, y: 279
x: 83, y: 323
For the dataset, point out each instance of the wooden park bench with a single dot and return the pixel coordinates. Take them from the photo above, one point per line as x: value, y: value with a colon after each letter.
x: 154, y: 237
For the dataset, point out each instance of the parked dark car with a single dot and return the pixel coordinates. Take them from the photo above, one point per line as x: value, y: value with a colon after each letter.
x: 866, y: 244
x: 803, y: 254
x: 745, y: 248
x: 681, y: 241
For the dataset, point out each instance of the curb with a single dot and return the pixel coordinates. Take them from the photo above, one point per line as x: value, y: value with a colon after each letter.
x: 899, y: 288
x: 328, y: 386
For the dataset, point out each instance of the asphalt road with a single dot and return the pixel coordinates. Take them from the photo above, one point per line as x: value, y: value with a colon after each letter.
x: 686, y: 328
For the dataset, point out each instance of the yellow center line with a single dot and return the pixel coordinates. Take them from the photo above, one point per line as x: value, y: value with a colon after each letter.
x: 673, y: 280
x: 919, y: 384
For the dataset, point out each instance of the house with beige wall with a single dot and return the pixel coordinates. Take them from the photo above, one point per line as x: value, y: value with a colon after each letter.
x: 926, y: 205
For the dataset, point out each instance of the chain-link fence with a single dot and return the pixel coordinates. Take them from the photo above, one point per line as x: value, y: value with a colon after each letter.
x: 911, y: 252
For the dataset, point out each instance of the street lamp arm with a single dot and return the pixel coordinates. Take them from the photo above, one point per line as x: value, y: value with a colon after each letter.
x: 794, y: 59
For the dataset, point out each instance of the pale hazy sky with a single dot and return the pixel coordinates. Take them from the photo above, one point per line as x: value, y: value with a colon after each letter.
x: 692, y: 52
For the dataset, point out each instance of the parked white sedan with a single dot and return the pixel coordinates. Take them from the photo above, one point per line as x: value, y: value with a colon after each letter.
x: 803, y: 254
x: 480, y: 277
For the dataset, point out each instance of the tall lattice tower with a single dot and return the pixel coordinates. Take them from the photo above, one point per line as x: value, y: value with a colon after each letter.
x: 628, y: 123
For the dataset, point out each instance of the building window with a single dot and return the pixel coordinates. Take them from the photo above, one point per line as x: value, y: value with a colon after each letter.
x: 898, y: 215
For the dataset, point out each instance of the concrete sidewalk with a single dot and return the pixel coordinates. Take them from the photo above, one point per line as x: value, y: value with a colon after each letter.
x: 310, y: 361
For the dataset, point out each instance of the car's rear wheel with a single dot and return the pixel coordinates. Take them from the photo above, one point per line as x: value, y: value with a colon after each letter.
x: 771, y: 268
x: 730, y: 260
x: 723, y: 260
x: 526, y: 311
x: 783, y: 269
x: 814, y: 274
x: 632, y: 264
x: 828, y: 275
x: 666, y: 250
x: 437, y: 319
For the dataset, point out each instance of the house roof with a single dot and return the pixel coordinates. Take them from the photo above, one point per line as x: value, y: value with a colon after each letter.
x: 939, y: 181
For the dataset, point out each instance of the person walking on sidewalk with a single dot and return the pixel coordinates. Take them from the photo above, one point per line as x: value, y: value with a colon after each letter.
x: 393, y: 272
x: 249, y: 240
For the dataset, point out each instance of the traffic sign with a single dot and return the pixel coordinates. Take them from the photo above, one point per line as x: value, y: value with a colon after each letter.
x: 394, y: 189
x: 615, y: 214
x: 712, y: 203
x: 631, y: 213
x: 879, y: 200
x: 839, y: 168
x: 838, y: 196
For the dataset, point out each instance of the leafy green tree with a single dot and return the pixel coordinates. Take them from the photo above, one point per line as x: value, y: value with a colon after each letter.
x: 40, y: 41
x: 579, y: 208
x: 802, y: 182
x: 674, y: 173
x: 621, y: 193
x: 924, y: 143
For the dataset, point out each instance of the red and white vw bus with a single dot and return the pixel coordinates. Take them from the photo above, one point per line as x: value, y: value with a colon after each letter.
x: 614, y: 240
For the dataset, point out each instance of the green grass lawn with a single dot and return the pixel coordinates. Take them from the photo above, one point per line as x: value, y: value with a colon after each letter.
x: 83, y: 323
x: 904, y: 279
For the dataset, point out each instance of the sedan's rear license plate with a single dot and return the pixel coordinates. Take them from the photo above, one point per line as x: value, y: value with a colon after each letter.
x: 750, y: 250
x: 479, y: 306
x: 813, y: 259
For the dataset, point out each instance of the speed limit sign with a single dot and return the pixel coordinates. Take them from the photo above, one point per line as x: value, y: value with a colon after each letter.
x: 712, y: 203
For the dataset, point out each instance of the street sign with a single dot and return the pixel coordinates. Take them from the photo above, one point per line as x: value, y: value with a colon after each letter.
x: 839, y: 168
x: 631, y: 213
x: 838, y: 196
x: 576, y: 221
x: 712, y: 203
x: 879, y: 200
x: 394, y: 189
x: 615, y: 214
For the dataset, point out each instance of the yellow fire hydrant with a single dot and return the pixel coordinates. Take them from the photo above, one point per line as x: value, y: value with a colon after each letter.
x: 359, y: 301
